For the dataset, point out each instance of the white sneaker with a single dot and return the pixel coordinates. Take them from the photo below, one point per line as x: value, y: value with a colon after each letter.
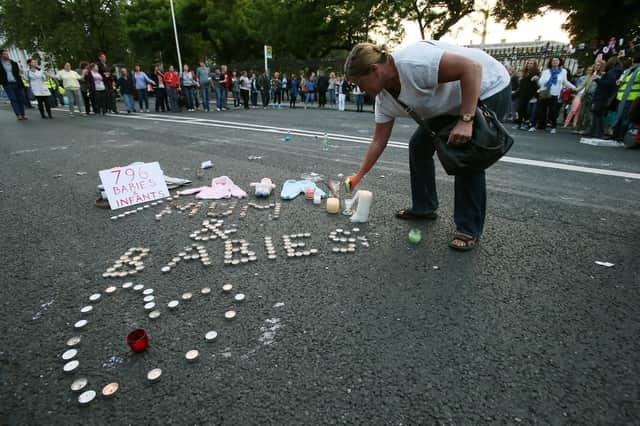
x: 553, y: 131
x: 532, y: 129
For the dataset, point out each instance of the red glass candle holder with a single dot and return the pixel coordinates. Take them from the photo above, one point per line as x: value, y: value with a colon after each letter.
x: 308, y: 192
x: 138, y: 340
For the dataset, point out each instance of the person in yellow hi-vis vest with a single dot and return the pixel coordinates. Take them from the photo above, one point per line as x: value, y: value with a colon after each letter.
x: 51, y: 84
x: 628, y: 91
x: 27, y: 93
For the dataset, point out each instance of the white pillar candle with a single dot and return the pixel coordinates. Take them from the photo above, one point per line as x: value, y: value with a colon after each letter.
x: 333, y: 205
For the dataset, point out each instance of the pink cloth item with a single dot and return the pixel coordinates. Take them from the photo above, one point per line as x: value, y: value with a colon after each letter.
x: 221, y: 187
x: 574, y: 113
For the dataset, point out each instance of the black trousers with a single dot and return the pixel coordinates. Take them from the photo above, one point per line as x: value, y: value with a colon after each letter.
x: 245, y: 98
x: 523, y: 108
x: 161, y: 95
x: 99, y: 98
x: 110, y: 101
x: 322, y: 98
x: 44, y: 104
x: 548, y: 110
x: 87, y: 101
x: 265, y: 98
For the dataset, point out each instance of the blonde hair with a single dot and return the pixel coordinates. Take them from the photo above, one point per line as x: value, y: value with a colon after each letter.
x: 361, y: 57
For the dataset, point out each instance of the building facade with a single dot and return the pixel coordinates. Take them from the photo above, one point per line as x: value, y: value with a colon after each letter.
x: 517, y: 54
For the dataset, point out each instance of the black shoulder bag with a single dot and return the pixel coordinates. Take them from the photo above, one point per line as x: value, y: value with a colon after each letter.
x: 489, y: 141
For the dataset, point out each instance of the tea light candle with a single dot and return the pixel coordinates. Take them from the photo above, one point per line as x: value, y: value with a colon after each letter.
x: 154, y: 375
x: 79, y: 384
x: 230, y: 315
x: 87, y: 397
x: 192, y: 355
x: 69, y: 354
x: 227, y: 288
x: 71, y: 366
x: 333, y: 205
x: 110, y: 389
x: 75, y: 340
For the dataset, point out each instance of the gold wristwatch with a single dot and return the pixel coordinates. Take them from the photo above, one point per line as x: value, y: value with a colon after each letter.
x: 467, y: 118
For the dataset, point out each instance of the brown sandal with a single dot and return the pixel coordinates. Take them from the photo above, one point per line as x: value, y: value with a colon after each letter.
x: 408, y: 214
x: 469, y: 241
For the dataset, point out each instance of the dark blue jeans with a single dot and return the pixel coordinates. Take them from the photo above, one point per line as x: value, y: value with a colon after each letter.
x: 205, y: 90
x: 219, y: 94
x: 190, y: 95
x: 143, y: 99
x: 470, y: 200
x: 16, y: 96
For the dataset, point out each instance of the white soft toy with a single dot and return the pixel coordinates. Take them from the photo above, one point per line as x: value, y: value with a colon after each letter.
x: 264, y: 187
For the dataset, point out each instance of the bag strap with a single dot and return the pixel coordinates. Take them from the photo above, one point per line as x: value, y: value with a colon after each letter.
x: 411, y: 113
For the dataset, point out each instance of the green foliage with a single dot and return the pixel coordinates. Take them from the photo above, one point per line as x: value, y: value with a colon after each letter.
x: 141, y: 31
x: 433, y: 17
x: 588, y: 19
x: 67, y: 30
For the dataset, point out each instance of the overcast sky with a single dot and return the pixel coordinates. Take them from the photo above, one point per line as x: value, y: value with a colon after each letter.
x: 548, y: 26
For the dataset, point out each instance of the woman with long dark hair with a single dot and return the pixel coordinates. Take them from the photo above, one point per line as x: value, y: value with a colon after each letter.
x: 528, y: 89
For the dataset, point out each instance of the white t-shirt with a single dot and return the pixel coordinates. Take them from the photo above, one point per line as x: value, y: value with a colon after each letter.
x: 418, y: 65
x: 36, y: 81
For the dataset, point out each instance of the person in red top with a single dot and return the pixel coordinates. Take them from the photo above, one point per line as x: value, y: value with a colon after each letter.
x: 226, y: 84
x: 172, y: 82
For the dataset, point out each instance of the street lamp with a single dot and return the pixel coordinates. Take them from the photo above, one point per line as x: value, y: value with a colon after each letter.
x: 175, y: 32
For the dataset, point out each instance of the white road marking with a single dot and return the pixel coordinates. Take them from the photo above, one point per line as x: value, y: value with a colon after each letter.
x: 364, y: 141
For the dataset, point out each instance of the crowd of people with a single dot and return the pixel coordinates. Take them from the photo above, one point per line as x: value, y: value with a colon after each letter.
x: 94, y: 88
x: 595, y: 101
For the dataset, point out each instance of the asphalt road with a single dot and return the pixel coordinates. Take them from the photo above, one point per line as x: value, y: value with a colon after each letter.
x: 525, y: 329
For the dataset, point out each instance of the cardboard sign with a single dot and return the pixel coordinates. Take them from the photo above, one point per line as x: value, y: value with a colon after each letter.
x: 130, y: 185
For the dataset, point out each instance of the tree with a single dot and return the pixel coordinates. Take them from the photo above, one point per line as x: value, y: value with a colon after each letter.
x: 588, y: 19
x: 435, y: 17
x: 67, y: 30
x: 150, y: 31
